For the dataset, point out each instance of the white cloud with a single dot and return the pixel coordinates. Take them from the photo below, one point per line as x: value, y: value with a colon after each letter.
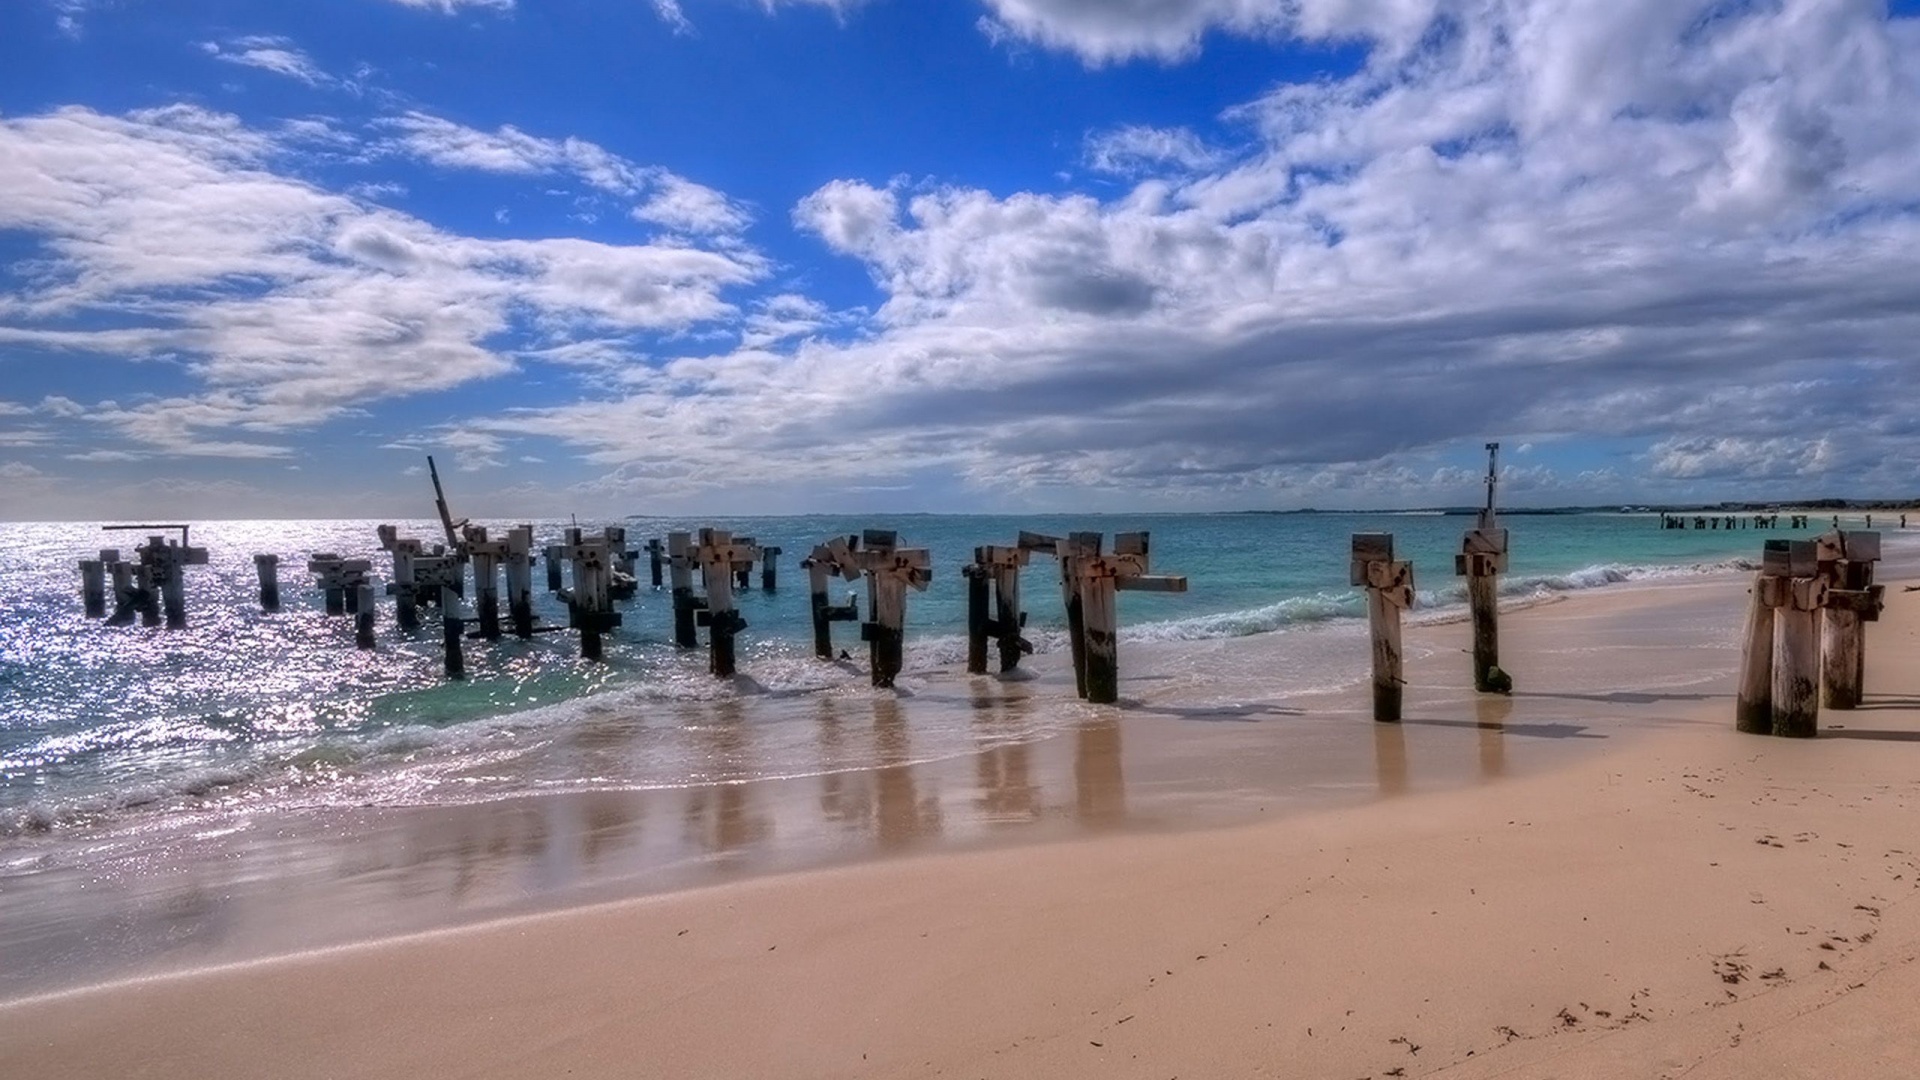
x: 453, y: 7
x: 685, y: 206
x: 1138, y: 149
x: 1560, y: 219
x: 670, y: 13
x: 269, y: 53
x: 157, y: 216
x: 667, y: 199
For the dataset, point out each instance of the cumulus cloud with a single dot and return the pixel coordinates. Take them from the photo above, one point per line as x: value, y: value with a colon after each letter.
x: 1554, y: 218
x: 291, y: 304
x: 681, y: 204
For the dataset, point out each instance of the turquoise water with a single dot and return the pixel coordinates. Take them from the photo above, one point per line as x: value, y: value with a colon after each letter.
x: 104, y: 726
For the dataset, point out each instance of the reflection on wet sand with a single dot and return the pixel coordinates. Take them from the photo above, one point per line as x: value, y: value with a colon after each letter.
x: 903, y: 816
x: 1492, y: 712
x: 1099, y: 783
x: 722, y: 818
x: 1390, y: 758
x: 1003, y: 770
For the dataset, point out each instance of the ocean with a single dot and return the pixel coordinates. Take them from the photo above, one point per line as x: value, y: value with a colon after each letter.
x: 254, y: 784
x: 100, y: 725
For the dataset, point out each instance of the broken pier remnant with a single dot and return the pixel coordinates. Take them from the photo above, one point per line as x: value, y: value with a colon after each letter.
x: 590, y: 601
x: 835, y: 558
x: 1846, y: 561
x: 1482, y: 559
x: 685, y: 604
x: 1796, y: 592
x: 718, y: 554
x: 993, y: 601
x: 890, y: 571
x: 1098, y: 581
x: 1389, y: 585
x: 267, y: 567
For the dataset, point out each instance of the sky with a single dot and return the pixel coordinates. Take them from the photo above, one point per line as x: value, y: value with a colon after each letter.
x: 614, y: 257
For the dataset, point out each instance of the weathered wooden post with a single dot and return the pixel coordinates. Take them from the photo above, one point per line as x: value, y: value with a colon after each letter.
x: 979, y: 610
x: 621, y: 584
x: 267, y: 567
x: 685, y: 604
x: 1796, y: 637
x: 166, y: 565
x: 93, y: 587
x: 1077, y: 546
x: 1482, y: 559
x: 718, y: 553
x: 520, y: 580
x: 835, y: 558
x: 1100, y: 579
x: 654, y: 552
x: 146, y: 595
x: 325, y: 566
x: 1753, y: 704
x: 363, y: 616
x: 126, y: 601
x: 486, y: 556
x: 589, y: 603
x: 769, y: 576
x: 890, y: 571
x: 1846, y: 562
x: 999, y: 620
x: 453, y: 629
x: 337, y: 578
x: 741, y: 567
x: 402, y: 587
x: 1389, y: 586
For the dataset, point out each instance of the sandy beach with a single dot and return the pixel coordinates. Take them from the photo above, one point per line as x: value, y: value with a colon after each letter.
x: 1676, y: 900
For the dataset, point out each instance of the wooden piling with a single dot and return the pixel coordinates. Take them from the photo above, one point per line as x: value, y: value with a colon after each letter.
x: 267, y: 568
x: 890, y: 571
x: 1389, y: 586
x: 453, y: 630
x: 1099, y: 626
x: 1009, y: 622
x: 1800, y: 593
x: 519, y: 572
x: 1846, y: 561
x: 1079, y: 545
x: 769, y: 574
x: 146, y: 596
x: 719, y: 556
x: 681, y: 565
x: 554, y: 581
x: 125, y: 601
x: 1482, y: 559
x: 1753, y: 705
x: 834, y: 558
x: 485, y: 555
x: 979, y: 611
x: 590, y: 601
x: 654, y: 553
x: 363, y: 616
x: 93, y: 588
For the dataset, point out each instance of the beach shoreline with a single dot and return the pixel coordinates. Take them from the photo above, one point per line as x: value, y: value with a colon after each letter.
x: 1202, y: 740
x: 1688, y: 898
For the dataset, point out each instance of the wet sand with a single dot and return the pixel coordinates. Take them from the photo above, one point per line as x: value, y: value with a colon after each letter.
x: 1202, y: 740
x: 1687, y: 901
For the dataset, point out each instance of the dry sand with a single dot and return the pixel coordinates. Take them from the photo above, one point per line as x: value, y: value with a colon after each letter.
x: 1692, y: 902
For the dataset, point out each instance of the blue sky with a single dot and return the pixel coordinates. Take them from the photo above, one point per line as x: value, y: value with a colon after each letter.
x: 782, y: 255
